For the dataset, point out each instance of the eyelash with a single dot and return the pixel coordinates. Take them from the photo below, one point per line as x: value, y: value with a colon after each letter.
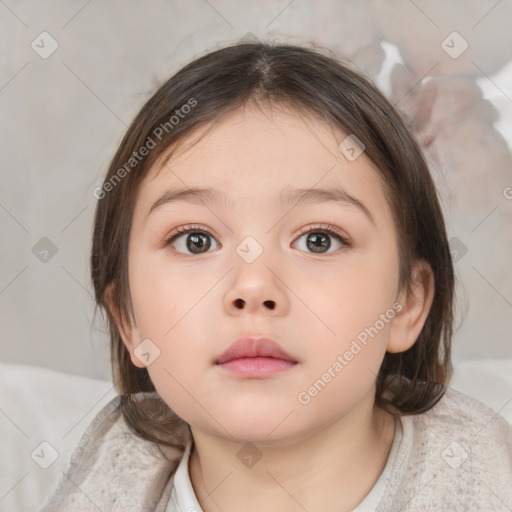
x: 324, y: 228
x: 183, y: 230
x: 327, y: 229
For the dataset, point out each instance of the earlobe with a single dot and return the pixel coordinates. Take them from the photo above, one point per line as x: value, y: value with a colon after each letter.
x: 416, y: 304
x: 129, y: 334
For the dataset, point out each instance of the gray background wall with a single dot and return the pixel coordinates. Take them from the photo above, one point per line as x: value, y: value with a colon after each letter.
x: 63, y: 115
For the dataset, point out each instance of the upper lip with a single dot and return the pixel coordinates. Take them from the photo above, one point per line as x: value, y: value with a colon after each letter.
x: 254, y: 347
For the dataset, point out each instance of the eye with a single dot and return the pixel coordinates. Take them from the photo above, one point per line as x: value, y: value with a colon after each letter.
x: 318, y: 239
x: 194, y: 239
x: 197, y: 240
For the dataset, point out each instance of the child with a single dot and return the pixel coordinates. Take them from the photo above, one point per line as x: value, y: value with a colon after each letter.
x: 272, y: 258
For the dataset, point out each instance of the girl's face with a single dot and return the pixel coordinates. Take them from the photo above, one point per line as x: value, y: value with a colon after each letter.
x: 330, y: 304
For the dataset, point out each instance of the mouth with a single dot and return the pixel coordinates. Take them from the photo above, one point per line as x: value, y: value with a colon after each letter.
x: 255, y: 358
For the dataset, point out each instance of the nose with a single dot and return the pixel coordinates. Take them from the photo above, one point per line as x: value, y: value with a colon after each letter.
x: 257, y: 288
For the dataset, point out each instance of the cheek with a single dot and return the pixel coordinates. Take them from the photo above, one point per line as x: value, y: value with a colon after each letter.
x: 355, y: 304
x: 165, y: 294
x: 172, y: 311
x: 354, y: 293
x: 342, y: 368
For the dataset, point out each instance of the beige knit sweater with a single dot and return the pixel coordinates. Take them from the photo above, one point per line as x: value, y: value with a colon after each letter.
x: 455, y: 457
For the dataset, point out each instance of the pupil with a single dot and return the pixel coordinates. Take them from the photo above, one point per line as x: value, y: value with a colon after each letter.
x: 198, y: 241
x: 318, y: 241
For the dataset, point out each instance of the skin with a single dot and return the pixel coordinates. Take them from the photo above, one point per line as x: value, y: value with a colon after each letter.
x: 327, y: 454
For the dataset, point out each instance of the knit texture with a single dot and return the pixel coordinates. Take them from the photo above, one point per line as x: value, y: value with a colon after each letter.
x: 455, y: 457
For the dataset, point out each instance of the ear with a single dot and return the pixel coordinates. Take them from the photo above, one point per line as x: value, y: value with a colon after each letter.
x: 408, y: 322
x: 126, y: 326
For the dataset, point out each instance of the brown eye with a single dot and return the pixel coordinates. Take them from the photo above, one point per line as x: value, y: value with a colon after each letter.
x: 191, y: 241
x: 197, y: 243
x: 320, y: 240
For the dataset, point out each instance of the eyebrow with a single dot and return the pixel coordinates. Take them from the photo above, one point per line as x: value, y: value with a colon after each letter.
x: 286, y: 198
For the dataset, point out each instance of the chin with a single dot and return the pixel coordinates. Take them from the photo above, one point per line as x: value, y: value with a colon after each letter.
x: 270, y: 427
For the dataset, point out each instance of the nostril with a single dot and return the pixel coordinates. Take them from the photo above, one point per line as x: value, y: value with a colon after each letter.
x: 240, y: 303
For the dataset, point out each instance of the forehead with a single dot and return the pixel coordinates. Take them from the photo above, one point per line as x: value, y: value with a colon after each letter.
x: 256, y: 156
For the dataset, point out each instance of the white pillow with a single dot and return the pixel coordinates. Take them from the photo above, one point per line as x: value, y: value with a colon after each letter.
x: 40, y: 405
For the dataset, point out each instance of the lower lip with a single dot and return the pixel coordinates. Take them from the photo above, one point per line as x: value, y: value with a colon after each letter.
x: 256, y: 366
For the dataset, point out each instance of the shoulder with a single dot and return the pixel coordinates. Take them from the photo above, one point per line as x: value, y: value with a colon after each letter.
x: 456, y: 456
x: 113, y: 467
x: 457, y: 414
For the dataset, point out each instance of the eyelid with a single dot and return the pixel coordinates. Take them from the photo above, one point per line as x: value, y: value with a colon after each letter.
x: 191, y: 228
x: 330, y: 229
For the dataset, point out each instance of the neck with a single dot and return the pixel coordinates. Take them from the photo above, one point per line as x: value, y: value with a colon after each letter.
x: 332, y: 469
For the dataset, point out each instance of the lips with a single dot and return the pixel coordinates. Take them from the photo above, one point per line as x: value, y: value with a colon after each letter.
x: 254, y: 347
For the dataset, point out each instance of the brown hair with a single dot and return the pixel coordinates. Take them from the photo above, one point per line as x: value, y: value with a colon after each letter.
x: 309, y: 81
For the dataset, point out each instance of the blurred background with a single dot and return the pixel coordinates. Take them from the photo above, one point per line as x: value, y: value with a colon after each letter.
x: 74, y: 74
